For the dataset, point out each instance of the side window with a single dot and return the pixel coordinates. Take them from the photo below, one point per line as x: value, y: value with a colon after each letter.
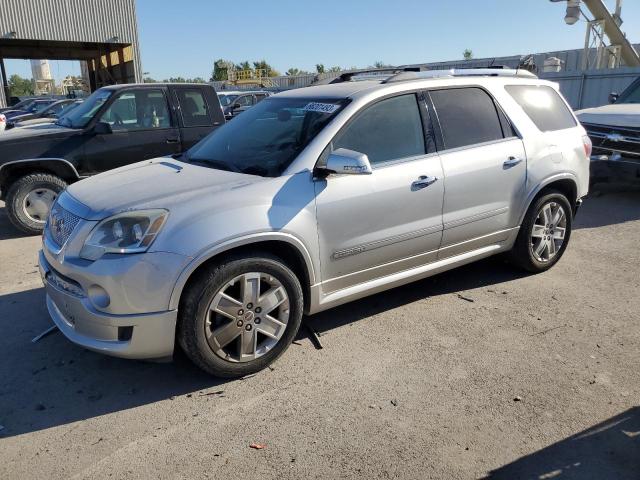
x: 467, y: 116
x: 544, y: 106
x: 245, y: 101
x: 388, y: 130
x: 194, y: 108
x: 260, y: 97
x: 138, y: 110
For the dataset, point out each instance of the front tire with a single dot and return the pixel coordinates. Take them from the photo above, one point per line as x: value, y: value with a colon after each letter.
x: 29, y: 200
x: 240, y: 315
x: 544, y: 233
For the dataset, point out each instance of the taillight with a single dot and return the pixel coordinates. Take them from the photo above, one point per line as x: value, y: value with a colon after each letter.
x: 588, y: 146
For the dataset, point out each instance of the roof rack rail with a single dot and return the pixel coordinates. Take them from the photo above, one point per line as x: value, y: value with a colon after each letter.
x: 493, y: 71
x: 367, y: 73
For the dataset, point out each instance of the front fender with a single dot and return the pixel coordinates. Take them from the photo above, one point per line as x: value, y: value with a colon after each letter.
x: 230, y: 244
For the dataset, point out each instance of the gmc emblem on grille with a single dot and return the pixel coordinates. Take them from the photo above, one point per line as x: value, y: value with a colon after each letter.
x: 615, y: 137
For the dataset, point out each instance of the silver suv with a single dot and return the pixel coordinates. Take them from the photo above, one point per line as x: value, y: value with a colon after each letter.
x: 313, y: 198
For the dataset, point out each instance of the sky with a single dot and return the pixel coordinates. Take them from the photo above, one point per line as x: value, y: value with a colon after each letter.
x: 184, y: 38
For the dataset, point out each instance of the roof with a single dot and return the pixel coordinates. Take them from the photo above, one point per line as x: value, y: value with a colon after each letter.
x: 120, y: 86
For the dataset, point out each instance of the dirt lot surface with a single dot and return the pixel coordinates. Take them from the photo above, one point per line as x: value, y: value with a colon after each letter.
x: 479, y: 372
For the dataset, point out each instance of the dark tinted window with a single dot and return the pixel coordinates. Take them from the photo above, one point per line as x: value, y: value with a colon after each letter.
x: 467, y: 116
x: 544, y: 107
x: 388, y: 130
x: 194, y: 108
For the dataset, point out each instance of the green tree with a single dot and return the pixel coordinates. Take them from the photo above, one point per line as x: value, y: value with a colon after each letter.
x: 263, y: 65
x: 293, y: 71
x: 467, y: 54
x: 380, y: 64
x: 320, y: 68
x: 334, y: 69
x: 220, y: 70
x: 19, y: 86
x: 244, y: 66
x: 149, y: 80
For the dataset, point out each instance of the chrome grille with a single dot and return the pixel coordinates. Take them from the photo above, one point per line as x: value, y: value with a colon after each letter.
x: 607, y: 140
x: 61, y: 224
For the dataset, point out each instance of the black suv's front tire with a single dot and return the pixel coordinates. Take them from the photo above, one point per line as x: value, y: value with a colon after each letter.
x: 29, y: 200
x: 544, y: 233
x: 236, y: 317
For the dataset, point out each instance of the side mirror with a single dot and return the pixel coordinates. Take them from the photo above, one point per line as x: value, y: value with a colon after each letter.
x: 102, y: 128
x: 613, y: 97
x: 348, y: 162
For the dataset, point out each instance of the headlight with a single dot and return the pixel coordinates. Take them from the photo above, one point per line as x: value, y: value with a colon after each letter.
x: 127, y: 232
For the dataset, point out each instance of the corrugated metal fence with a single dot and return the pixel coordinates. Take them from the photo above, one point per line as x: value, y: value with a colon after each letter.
x: 582, y: 89
x: 591, y: 88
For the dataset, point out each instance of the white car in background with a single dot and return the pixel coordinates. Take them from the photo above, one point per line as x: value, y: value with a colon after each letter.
x: 3, y: 122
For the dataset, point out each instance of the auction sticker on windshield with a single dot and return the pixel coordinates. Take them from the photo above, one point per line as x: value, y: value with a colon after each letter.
x: 321, y: 107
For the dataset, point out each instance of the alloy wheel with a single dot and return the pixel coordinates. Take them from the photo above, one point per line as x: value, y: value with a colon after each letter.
x: 247, y: 317
x: 548, y: 232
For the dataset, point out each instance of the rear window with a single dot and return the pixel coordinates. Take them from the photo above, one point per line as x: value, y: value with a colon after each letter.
x: 544, y: 107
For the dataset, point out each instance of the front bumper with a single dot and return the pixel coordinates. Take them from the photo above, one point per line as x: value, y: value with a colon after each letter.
x: 615, y: 167
x: 140, y: 336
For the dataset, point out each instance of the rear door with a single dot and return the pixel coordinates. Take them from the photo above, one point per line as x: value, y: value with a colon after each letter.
x: 484, y: 166
x: 198, y: 114
x: 142, y: 127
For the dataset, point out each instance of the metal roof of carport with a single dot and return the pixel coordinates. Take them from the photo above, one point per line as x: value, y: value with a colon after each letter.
x: 68, y: 29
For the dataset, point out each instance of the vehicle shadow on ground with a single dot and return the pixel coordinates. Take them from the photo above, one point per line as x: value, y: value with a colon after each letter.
x: 484, y: 273
x: 609, y: 204
x: 609, y: 450
x: 54, y: 382
x: 8, y: 231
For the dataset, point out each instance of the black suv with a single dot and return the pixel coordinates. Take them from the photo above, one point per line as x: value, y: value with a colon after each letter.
x: 115, y: 126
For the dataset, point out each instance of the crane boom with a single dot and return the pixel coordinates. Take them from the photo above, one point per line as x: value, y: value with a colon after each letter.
x: 612, y: 30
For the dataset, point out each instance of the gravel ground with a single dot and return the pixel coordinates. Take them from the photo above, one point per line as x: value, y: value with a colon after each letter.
x: 479, y: 372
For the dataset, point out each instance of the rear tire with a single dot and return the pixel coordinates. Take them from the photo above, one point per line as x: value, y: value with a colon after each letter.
x: 544, y: 233
x: 29, y: 200
x: 228, y: 332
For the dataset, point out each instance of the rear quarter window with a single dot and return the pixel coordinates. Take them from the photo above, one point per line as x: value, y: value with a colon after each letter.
x: 544, y: 107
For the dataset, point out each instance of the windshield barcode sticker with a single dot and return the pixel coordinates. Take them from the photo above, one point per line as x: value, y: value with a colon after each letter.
x: 321, y: 107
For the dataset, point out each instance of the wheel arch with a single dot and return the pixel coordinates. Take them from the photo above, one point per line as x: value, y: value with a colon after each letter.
x: 287, y: 247
x: 566, y: 183
x: 56, y: 166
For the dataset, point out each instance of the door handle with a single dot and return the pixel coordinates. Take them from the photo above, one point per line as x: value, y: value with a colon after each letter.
x: 172, y: 140
x: 423, y: 181
x: 512, y: 162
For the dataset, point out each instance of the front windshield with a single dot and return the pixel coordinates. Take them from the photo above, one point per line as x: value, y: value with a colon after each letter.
x: 81, y: 115
x: 226, y: 99
x: 39, y: 106
x: 631, y: 94
x: 23, y: 104
x: 265, y: 139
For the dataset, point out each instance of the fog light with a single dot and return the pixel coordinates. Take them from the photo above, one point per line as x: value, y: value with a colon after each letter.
x: 99, y: 296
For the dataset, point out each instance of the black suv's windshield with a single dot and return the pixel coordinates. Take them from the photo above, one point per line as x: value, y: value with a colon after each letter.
x: 265, y: 139
x: 83, y: 113
x: 631, y: 94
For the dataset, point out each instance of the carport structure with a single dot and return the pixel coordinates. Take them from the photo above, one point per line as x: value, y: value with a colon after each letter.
x: 102, y: 33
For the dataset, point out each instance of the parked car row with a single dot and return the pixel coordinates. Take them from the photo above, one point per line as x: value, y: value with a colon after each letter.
x: 39, y: 114
x: 310, y: 199
x: 235, y: 102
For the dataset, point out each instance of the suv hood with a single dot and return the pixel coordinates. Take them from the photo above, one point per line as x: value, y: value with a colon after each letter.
x: 35, y: 131
x: 616, y: 115
x: 157, y: 183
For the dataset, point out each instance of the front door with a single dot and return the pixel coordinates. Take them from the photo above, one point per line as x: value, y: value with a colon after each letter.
x: 484, y: 166
x: 142, y: 128
x: 375, y: 225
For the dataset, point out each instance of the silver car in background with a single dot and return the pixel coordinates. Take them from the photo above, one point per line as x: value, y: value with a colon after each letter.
x: 313, y: 198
